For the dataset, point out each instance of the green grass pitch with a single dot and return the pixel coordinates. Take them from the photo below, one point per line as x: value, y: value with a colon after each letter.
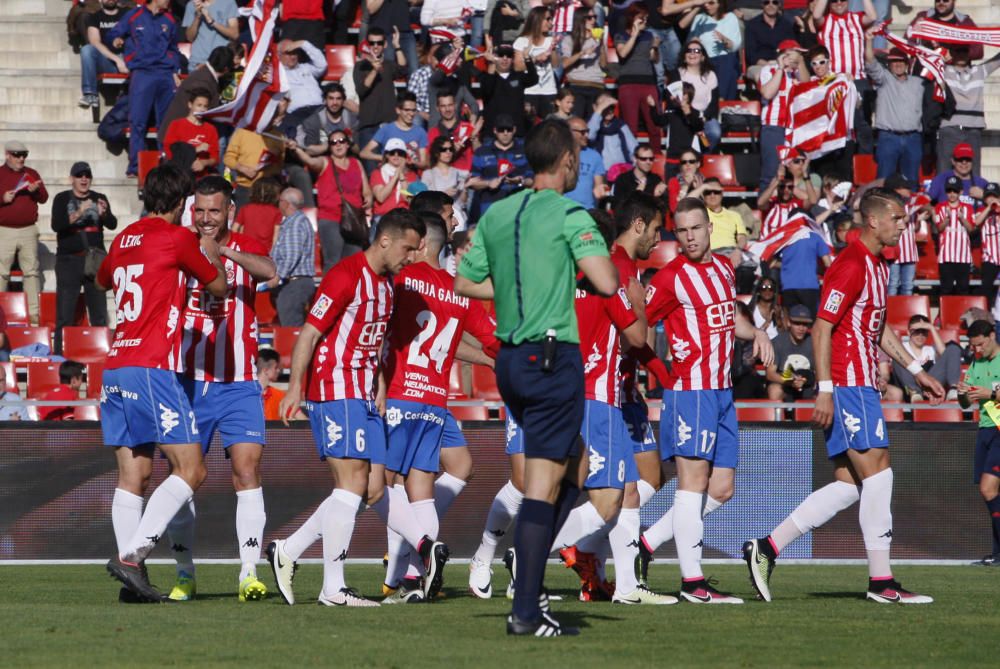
x: 68, y: 616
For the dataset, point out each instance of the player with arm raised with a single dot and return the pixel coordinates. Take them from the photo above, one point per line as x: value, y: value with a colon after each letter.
x: 335, y: 362
x: 695, y: 295
x: 425, y: 335
x: 219, y: 351
x: 142, y: 402
x: 849, y: 327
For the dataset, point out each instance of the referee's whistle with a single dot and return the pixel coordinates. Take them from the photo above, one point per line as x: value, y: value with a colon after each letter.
x: 549, y: 351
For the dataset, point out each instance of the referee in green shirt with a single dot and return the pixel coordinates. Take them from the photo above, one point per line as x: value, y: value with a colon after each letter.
x: 982, y: 384
x: 525, y: 256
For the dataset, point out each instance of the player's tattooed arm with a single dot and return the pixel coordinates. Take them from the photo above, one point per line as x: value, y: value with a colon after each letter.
x: 894, y: 348
x: 822, y: 333
x: 261, y: 268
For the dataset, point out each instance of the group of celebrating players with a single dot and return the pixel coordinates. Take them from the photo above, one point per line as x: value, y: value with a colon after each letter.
x: 371, y: 367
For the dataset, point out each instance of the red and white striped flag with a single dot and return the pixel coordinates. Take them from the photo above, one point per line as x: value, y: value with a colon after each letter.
x: 821, y: 115
x: 263, y: 84
x: 798, y: 227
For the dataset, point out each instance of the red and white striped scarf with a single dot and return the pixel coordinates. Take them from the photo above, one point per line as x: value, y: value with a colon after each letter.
x: 932, y: 61
x: 948, y: 33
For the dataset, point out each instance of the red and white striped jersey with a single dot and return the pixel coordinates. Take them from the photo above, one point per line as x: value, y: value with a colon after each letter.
x: 953, y: 241
x: 562, y: 19
x: 351, y: 311
x: 907, y: 247
x: 991, y: 238
x: 775, y: 110
x: 601, y: 321
x: 425, y: 331
x: 147, y: 267
x: 777, y: 215
x: 629, y: 369
x: 853, y: 300
x: 844, y: 38
x: 698, y: 303
x: 219, y: 341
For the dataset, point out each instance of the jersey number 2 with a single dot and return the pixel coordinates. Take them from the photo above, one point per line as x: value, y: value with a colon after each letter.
x: 125, y: 284
x: 439, y: 347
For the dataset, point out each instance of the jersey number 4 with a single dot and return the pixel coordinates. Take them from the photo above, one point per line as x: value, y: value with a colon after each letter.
x: 125, y: 285
x: 439, y: 347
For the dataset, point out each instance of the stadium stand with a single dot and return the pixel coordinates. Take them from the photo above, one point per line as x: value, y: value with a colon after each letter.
x: 86, y: 343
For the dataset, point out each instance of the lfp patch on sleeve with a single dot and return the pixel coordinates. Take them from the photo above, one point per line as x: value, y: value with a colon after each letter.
x: 833, y: 301
x: 322, y: 305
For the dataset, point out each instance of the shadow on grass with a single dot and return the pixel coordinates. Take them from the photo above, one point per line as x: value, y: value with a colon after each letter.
x: 574, y: 619
x: 851, y: 594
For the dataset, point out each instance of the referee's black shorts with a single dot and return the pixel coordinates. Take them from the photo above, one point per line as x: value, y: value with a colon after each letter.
x: 547, y: 405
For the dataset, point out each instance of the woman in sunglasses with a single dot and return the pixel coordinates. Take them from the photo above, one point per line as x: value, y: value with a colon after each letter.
x: 584, y: 58
x: 764, y: 307
x: 696, y: 70
x: 441, y: 175
x: 337, y: 167
x: 688, y: 182
x: 537, y: 44
x: 719, y: 31
x: 390, y: 181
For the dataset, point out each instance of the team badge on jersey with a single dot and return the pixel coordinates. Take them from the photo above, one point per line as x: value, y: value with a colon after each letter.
x: 833, y: 301
x: 322, y: 305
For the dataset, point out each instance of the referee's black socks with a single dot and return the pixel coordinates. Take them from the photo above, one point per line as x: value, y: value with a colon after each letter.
x: 532, y: 540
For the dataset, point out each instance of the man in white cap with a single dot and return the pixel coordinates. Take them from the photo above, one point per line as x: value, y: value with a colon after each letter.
x: 21, y: 191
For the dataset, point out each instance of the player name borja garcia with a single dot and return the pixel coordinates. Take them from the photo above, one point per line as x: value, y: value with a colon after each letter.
x: 434, y: 292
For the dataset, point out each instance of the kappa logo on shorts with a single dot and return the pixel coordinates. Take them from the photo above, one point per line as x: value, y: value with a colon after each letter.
x: 683, y: 432
x: 334, y: 433
x: 851, y: 423
x: 323, y: 304
x: 595, y: 462
x: 104, y: 394
x: 169, y: 419
x: 833, y: 301
x: 511, y: 429
x: 393, y: 417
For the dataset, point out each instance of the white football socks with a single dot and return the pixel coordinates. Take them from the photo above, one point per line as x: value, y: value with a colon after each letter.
x: 662, y: 530
x: 396, y: 512
x: 502, y: 513
x: 581, y: 522
x: 624, y: 539
x: 250, y: 520
x: 446, y: 489
x: 425, y: 513
x: 126, y: 511
x: 337, y: 527
x: 309, y: 533
x: 875, y: 516
x: 689, y: 530
x: 180, y: 532
x: 646, y: 492
x: 163, y: 505
x: 815, y: 511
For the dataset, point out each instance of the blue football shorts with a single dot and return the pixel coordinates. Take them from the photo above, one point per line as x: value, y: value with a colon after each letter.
x: 415, y: 431
x: 142, y: 406
x: 700, y: 424
x: 234, y: 410
x: 610, y: 458
x: 858, y: 422
x: 348, y: 429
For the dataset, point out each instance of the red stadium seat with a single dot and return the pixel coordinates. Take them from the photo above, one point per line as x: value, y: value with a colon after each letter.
x: 865, y: 169
x: 339, y: 59
x: 899, y: 308
x: 758, y: 414
x: 470, y: 413
x: 949, y: 415
x: 27, y: 335
x: 661, y: 254
x: 722, y: 167
x: 86, y: 343
x: 749, y: 108
x: 266, y: 314
x: 893, y: 415
x: 659, y: 165
x: 456, y: 389
x: 927, y: 264
x: 42, y: 377
x: 147, y: 161
x: 15, y: 307
x: 803, y: 414
x: 47, y: 308
x: 89, y: 412
x: 284, y: 342
x: 95, y: 374
x: 10, y: 375
x: 950, y: 334
x: 953, y: 306
x: 484, y: 384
